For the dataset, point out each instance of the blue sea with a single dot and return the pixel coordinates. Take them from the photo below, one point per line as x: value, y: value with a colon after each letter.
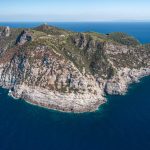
x: 123, y: 123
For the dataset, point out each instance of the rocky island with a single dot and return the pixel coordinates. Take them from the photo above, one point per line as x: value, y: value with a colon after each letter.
x: 69, y: 71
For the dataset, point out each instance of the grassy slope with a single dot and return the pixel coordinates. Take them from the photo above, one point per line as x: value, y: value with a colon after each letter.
x: 85, y: 50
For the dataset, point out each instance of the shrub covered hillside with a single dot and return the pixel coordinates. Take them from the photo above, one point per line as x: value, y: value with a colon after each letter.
x: 53, y: 59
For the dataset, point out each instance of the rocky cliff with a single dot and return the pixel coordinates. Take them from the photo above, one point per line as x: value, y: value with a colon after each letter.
x: 69, y: 71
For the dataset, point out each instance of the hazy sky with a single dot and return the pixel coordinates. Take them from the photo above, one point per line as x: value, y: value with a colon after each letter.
x: 74, y: 10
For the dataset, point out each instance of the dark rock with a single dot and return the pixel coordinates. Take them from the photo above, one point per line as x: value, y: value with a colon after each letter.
x: 24, y: 37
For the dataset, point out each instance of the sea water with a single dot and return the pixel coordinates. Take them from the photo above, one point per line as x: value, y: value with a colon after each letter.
x: 123, y: 123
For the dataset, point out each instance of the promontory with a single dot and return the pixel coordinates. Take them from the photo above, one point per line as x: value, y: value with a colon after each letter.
x: 69, y: 71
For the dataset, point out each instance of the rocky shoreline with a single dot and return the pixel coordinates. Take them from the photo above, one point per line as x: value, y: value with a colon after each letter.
x: 119, y: 84
x: 80, y: 103
x: 69, y: 102
x: 69, y: 71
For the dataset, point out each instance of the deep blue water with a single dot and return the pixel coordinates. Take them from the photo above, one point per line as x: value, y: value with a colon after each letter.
x: 123, y: 123
x: 141, y: 30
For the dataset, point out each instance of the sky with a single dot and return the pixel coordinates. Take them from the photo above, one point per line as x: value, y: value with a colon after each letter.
x: 74, y: 10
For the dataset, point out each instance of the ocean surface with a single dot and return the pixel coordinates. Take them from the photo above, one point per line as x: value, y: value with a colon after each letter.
x: 140, y: 30
x: 123, y: 123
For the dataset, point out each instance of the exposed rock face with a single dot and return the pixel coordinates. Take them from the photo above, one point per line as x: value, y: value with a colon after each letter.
x: 5, y: 31
x: 119, y: 84
x: 69, y: 71
x: 23, y: 38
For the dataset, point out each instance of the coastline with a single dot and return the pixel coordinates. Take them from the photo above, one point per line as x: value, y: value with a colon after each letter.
x: 69, y: 71
x: 135, y: 78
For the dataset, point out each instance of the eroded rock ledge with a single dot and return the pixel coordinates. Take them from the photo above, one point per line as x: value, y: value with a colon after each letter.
x: 69, y: 71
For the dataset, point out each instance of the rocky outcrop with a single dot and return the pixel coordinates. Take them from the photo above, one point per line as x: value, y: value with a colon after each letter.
x: 70, y: 73
x: 5, y: 31
x: 24, y: 37
x: 119, y: 84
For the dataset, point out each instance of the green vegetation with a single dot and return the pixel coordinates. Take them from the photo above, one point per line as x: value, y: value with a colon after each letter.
x: 86, y: 50
x: 123, y: 39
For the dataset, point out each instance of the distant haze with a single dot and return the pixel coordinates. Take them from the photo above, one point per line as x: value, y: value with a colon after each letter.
x: 74, y: 10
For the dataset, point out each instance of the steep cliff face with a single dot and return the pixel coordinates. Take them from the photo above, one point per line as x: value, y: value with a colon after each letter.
x: 68, y: 71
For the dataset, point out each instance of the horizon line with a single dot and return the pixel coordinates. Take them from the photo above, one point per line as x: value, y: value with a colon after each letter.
x: 125, y: 21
